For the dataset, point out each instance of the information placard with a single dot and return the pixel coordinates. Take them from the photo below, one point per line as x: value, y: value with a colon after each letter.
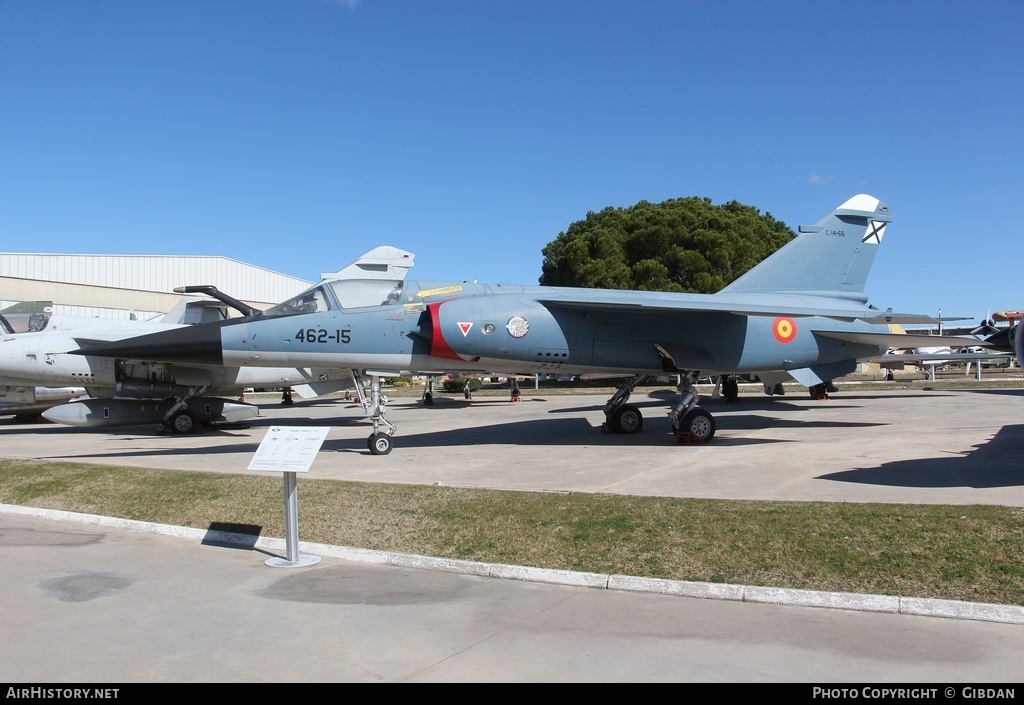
x: 289, y: 448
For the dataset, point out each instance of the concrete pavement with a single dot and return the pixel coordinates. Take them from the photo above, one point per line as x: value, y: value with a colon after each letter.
x: 96, y: 600
x: 910, y: 446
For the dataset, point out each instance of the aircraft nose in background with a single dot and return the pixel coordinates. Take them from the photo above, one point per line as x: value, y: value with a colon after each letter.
x: 199, y: 344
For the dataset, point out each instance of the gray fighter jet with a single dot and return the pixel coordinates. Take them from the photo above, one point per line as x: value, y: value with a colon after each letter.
x: 801, y: 312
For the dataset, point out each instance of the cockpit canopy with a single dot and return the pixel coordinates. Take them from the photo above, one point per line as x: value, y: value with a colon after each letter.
x: 340, y: 293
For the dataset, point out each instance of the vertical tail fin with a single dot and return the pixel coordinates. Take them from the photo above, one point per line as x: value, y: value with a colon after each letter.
x: 830, y: 258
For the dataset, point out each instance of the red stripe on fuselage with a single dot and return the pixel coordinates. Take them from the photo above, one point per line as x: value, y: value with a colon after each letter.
x: 439, y: 347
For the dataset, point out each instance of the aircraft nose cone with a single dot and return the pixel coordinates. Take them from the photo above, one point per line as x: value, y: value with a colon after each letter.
x: 199, y: 344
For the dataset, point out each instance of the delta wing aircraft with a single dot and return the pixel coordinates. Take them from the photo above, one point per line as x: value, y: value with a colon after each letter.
x: 36, y: 370
x: 26, y: 401
x: 131, y: 391
x: 801, y: 312
x: 996, y: 347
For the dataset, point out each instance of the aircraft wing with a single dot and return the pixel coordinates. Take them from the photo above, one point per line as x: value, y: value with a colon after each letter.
x: 782, y: 305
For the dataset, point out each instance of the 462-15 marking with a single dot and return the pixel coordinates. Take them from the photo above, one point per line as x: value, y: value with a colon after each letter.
x: 319, y: 335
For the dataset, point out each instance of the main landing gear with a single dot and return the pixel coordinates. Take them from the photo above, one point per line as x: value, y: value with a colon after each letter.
x: 178, y: 419
x: 689, y: 422
x: 379, y: 442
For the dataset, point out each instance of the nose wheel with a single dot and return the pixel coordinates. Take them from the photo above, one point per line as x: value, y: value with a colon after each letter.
x: 379, y: 443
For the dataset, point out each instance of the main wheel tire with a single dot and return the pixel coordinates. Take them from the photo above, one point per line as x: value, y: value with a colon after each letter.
x: 183, y: 422
x: 699, y: 424
x: 468, y: 394
x: 627, y: 419
x: 379, y: 444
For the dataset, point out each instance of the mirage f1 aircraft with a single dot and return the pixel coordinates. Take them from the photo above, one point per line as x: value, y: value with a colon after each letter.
x: 802, y: 312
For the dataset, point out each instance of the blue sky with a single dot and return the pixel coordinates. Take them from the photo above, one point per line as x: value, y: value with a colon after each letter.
x: 298, y: 134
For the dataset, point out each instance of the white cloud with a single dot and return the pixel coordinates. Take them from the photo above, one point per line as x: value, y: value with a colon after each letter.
x: 816, y: 178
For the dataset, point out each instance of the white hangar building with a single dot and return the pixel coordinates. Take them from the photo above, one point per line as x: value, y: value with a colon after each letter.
x: 117, y: 286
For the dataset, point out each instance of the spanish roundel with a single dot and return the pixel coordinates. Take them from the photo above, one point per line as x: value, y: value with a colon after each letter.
x: 784, y: 329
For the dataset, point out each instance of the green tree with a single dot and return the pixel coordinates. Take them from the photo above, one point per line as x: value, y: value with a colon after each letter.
x: 682, y: 244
